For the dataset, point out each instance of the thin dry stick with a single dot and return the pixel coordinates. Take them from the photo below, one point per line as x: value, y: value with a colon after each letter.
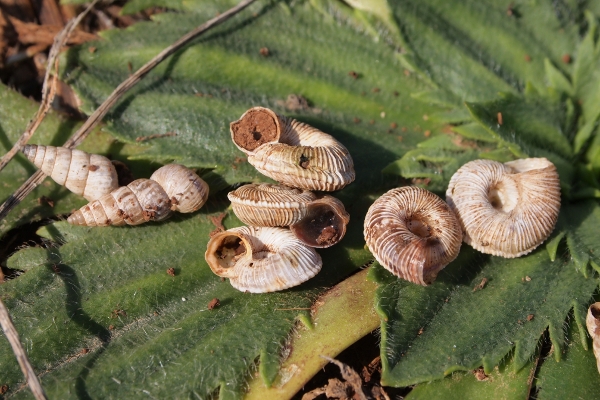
x: 49, y: 86
x: 97, y: 116
x: 13, y: 339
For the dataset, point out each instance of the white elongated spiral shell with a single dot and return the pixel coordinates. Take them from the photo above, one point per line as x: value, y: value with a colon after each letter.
x: 506, y: 209
x: 292, y: 152
x: 261, y: 259
x: 266, y: 204
x: 88, y: 175
x: 187, y: 191
x: 412, y: 233
x: 141, y: 201
x: 592, y: 321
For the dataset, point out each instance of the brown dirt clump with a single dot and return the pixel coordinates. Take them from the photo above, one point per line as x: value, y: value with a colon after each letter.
x: 254, y: 129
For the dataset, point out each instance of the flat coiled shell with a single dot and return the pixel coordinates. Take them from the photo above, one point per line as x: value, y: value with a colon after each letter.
x: 88, y: 175
x: 187, y: 191
x: 266, y: 204
x: 291, y: 152
x: 592, y: 322
x: 506, y: 209
x: 141, y: 201
x: 412, y: 233
x: 261, y: 259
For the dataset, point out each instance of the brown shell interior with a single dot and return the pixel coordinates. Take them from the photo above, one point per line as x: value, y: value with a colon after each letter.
x: 256, y: 127
x: 224, y: 250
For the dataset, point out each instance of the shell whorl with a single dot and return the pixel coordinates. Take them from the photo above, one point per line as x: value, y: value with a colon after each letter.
x: 270, y: 205
x: 412, y: 233
x: 187, y: 191
x: 292, y: 152
x: 141, y: 201
x: 261, y: 259
x: 506, y: 209
x: 88, y: 175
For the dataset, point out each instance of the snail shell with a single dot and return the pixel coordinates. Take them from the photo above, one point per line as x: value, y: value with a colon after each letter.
x: 592, y: 321
x: 292, y: 152
x: 187, y: 191
x: 261, y: 259
x: 506, y: 209
x: 89, y: 175
x: 317, y: 222
x: 141, y: 201
x: 412, y: 233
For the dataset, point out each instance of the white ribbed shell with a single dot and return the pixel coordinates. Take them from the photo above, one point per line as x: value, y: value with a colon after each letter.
x: 141, y: 201
x: 88, y: 175
x: 266, y: 204
x: 592, y: 322
x: 187, y: 191
x: 412, y: 233
x: 261, y: 259
x: 506, y: 209
x: 297, y: 154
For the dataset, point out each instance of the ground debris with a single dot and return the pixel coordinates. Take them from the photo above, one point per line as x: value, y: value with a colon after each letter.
x: 481, y: 284
x: 217, y: 221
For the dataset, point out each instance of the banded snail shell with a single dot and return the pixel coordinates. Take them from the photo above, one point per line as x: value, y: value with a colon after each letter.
x: 89, y: 175
x: 141, y: 201
x: 261, y: 259
x: 412, y: 233
x: 318, y: 222
x: 506, y: 209
x: 187, y: 191
x: 592, y: 321
x: 292, y: 152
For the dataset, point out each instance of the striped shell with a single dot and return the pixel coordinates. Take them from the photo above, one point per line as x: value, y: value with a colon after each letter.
x: 141, y: 201
x: 261, y: 259
x: 292, y: 152
x: 412, y: 233
x: 187, y: 191
x: 266, y: 204
x: 89, y: 175
x: 318, y: 222
x: 592, y: 322
x: 506, y: 209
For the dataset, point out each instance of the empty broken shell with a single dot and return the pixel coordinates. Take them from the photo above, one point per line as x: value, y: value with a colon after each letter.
x: 187, y: 191
x: 292, y: 152
x: 592, y: 322
x: 88, y: 175
x: 261, y: 259
x: 318, y: 222
x: 506, y: 209
x: 412, y: 233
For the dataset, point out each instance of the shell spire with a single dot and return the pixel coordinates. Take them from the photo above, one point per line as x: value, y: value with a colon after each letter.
x: 88, y: 175
x: 186, y: 190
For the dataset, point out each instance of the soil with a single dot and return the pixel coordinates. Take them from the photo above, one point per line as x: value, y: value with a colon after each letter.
x: 254, y: 129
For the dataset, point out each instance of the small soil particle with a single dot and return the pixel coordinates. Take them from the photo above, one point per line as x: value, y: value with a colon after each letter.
x: 92, y: 49
x: 425, y: 117
x: 84, y: 351
x: 527, y: 58
x: 499, y: 117
x: 396, y: 94
x: 353, y: 74
x: 93, y: 168
x: 481, y: 285
x: 376, y: 90
x: 427, y: 133
x: 214, y: 303
x: 264, y: 52
x: 480, y: 375
x: 45, y: 201
x: 171, y: 271
x: 566, y: 58
x: 530, y: 317
x: 111, y: 327
x: 393, y: 125
x: 3, y: 389
x: 372, y: 122
x: 356, y: 120
x: 257, y: 127
x: 328, y: 235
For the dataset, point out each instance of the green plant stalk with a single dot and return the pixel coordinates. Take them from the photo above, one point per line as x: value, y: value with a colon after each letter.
x: 340, y: 317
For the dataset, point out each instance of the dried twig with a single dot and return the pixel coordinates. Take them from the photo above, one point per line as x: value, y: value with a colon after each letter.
x: 97, y: 116
x: 13, y: 338
x: 49, y: 86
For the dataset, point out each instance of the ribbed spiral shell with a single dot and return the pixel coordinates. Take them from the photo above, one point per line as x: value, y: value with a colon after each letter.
x: 412, y: 233
x: 261, y: 259
x: 506, y: 209
x: 592, y: 322
x: 266, y: 204
x: 141, y: 201
x: 88, y: 175
x: 187, y: 191
x: 291, y: 152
